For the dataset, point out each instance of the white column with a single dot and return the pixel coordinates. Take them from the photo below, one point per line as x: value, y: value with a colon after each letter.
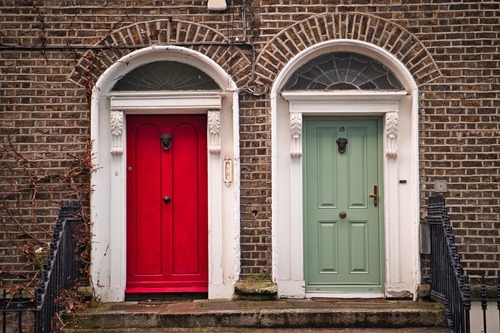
x: 117, y: 201
x: 391, y: 207
x: 296, y: 286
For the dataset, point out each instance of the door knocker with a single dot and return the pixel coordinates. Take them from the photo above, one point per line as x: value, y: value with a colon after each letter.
x: 166, y: 141
x: 342, y: 143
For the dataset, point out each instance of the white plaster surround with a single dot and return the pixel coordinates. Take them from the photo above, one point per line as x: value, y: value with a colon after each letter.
x: 399, y: 110
x: 108, y: 126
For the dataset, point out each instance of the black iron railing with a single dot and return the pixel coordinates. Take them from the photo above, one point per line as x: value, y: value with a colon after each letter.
x: 60, y: 273
x: 16, y: 312
x: 61, y: 270
x: 449, y: 285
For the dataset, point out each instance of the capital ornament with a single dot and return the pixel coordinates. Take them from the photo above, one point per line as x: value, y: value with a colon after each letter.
x: 391, y: 134
x: 295, y: 134
x: 213, y: 124
x: 116, y: 127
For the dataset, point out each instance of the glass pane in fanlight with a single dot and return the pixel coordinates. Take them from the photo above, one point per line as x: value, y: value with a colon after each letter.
x: 165, y: 75
x: 343, y: 71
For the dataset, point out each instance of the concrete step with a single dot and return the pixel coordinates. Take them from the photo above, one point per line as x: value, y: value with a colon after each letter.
x: 270, y: 330
x: 250, y: 316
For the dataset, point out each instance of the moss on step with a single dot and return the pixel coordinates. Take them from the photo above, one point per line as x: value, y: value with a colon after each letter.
x: 252, y: 289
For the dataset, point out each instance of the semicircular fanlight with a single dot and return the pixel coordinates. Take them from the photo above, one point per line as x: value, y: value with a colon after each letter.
x: 343, y: 71
x: 165, y: 75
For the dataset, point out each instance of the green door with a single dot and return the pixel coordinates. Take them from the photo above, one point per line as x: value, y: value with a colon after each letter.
x: 343, y: 226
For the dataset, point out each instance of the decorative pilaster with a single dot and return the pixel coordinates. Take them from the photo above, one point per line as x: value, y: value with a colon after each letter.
x: 116, y: 127
x: 391, y: 133
x: 214, y: 144
x: 295, y: 134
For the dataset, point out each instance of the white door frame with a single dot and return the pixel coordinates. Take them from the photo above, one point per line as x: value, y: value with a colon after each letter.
x: 108, y: 134
x: 400, y: 164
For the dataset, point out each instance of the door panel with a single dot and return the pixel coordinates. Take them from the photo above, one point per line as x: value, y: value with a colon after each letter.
x: 327, y: 181
x: 148, y: 234
x: 167, y: 238
x: 357, y: 167
x: 341, y: 253
x: 328, y: 237
x: 358, y: 250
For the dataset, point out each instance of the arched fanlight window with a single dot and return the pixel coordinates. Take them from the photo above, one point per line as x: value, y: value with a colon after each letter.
x: 343, y: 71
x: 165, y: 75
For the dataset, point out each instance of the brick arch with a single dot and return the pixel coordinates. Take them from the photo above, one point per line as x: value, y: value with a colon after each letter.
x: 122, y: 41
x: 355, y: 26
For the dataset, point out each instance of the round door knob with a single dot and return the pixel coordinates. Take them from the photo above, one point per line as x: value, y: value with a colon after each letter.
x: 166, y: 199
x: 342, y: 215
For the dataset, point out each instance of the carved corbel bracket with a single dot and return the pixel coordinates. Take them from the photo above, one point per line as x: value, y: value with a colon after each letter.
x: 391, y: 133
x: 295, y: 134
x: 116, y: 127
x: 214, y: 142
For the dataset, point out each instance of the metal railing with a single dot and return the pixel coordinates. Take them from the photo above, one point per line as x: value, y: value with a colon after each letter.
x: 449, y: 285
x: 61, y: 270
x: 16, y: 312
x: 60, y: 273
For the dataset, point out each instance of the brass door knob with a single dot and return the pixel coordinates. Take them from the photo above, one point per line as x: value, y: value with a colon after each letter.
x: 374, y: 195
x: 342, y: 215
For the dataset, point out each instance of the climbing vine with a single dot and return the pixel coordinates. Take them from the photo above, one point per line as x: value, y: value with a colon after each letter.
x: 29, y: 204
x: 34, y: 183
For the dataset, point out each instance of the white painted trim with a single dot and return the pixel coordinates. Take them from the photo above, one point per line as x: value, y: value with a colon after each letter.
x: 160, y: 102
x: 342, y: 95
x: 108, y: 211
x: 341, y: 102
x: 401, y: 200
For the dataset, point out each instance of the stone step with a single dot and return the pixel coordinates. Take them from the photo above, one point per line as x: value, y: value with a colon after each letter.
x: 270, y: 330
x: 271, y: 315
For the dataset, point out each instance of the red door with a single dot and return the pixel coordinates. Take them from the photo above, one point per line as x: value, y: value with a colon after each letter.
x: 167, y: 228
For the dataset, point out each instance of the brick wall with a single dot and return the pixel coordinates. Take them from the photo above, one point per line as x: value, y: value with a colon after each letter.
x: 52, y: 52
